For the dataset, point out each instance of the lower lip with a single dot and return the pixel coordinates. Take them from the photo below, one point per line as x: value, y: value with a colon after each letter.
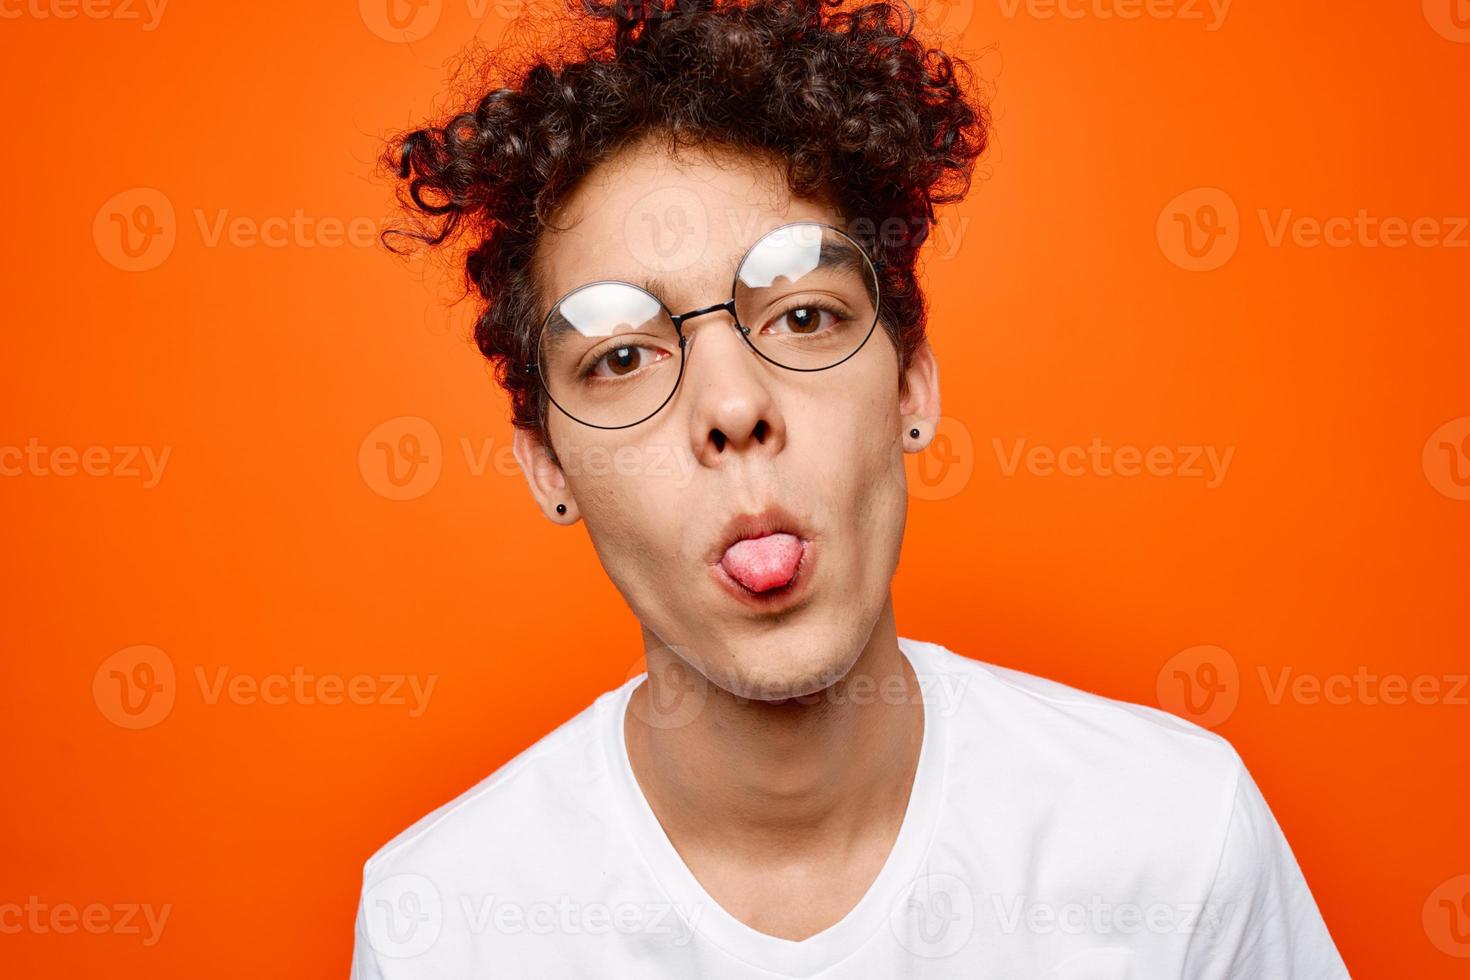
x: 771, y: 600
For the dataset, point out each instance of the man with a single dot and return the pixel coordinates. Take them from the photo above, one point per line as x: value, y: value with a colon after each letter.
x: 792, y: 789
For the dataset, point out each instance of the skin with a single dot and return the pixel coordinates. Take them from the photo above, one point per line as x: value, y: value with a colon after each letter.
x: 780, y: 784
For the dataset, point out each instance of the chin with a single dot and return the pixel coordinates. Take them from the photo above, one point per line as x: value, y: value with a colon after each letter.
x: 789, y: 663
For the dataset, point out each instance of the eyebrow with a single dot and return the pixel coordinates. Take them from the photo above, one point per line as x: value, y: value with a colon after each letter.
x: 656, y: 286
x: 841, y: 253
x: 835, y: 253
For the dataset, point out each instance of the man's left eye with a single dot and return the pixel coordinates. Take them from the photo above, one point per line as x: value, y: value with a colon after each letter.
x: 803, y: 319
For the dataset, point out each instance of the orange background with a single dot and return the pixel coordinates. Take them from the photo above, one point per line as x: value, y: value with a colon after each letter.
x: 1334, y: 542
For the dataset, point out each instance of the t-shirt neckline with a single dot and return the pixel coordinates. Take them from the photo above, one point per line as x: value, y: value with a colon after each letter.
x: 862, y: 922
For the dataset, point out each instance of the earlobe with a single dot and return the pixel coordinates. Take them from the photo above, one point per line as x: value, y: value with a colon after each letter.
x: 917, y: 438
x: 544, y: 478
x: 919, y: 407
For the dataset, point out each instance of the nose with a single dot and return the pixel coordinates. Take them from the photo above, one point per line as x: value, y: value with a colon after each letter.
x: 733, y: 409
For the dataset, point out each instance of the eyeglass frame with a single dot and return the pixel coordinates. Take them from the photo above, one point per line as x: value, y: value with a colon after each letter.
x: 534, y: 366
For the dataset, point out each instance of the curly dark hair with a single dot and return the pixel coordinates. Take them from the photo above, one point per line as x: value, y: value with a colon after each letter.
x: 862, y: 113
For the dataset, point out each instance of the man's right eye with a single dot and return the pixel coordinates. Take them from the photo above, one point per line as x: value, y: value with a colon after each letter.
x: 619, y: 362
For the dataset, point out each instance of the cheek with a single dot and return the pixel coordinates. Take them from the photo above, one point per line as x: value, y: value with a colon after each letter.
x: 630, y: 498
x: 850, y: 462
x: 859, y: 444
x: 881, y: 495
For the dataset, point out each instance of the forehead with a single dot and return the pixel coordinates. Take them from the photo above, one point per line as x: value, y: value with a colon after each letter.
x: 685, y: 220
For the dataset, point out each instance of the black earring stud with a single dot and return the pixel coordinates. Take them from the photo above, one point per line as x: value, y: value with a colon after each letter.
x: 913, y: 433
x: 561, y: 508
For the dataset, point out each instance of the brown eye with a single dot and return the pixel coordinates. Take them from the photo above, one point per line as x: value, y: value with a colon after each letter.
x: 623, y: 361
x: 802, y: 320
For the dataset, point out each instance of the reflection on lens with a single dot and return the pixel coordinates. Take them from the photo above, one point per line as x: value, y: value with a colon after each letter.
x: 609, y: 354
x: 808, y: 296
x: 789, y: 253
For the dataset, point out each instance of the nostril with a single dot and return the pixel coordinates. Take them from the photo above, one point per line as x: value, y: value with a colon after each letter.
x: 761, y: 429
x: 718, y: 438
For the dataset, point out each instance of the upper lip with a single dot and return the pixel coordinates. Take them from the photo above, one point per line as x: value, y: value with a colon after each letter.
x: 771, y: 520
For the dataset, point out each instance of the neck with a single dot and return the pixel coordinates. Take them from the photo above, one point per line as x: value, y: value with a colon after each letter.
x: 818, y: 774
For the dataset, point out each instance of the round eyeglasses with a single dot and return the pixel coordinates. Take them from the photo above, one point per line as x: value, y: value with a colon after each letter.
x: 611, y: 355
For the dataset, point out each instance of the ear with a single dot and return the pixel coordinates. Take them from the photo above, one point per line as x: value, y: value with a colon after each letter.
x: 546, y: 480
x: 919, y: 405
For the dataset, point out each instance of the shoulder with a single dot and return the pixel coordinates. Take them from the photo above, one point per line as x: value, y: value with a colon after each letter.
x: 1115, y: 776
x: 1065, y: 799
x: 1067, y: 724
x: 557, y: 785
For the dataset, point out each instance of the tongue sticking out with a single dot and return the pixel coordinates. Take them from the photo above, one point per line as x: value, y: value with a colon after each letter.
x: 764, y: 563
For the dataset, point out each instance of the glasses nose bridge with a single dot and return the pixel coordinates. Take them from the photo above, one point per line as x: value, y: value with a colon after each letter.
x: 728, y: 306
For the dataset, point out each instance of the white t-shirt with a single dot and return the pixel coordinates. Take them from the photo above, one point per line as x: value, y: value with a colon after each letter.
x: 1050, y: 833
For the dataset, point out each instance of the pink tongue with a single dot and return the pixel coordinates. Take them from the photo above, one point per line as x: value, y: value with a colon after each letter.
x: 763, y: 563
